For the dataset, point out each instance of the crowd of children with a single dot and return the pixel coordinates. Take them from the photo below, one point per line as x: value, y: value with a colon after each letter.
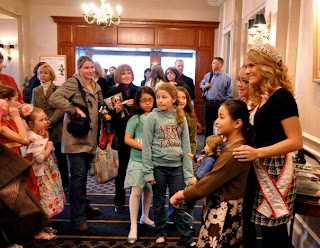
x: 156, y: 138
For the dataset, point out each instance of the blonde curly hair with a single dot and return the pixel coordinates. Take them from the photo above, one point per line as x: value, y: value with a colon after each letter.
x: 276, y: 75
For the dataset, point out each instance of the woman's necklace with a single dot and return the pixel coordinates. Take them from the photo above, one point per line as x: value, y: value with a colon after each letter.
x: 233, y: 143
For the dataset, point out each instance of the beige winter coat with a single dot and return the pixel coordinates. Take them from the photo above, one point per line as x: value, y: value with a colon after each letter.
x: 54, y: 115
x: 60, y: 99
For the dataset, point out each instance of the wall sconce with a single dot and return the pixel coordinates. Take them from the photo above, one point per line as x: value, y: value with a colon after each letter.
x: 9, y: 51
x: 258, y: 27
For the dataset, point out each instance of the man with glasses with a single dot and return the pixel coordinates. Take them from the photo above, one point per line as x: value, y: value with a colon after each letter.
x: 217, y: 87
x: 9, y: 81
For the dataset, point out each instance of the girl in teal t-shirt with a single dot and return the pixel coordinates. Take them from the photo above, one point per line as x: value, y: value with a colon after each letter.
x: 144, y: 102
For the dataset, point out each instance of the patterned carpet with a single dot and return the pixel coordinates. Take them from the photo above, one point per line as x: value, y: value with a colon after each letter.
x: 108, y: 229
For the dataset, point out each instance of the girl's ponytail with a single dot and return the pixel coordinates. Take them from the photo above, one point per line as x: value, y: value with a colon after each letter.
x: 179, y: 115
x: 239, y: 110
x: 249, y: 135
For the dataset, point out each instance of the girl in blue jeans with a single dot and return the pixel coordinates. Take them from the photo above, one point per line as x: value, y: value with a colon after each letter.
x: 165, y: 161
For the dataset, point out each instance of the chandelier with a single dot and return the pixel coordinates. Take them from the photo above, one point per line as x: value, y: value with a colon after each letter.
x: 102, y: 16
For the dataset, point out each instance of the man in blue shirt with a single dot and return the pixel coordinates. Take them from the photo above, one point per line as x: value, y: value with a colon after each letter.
x: 217, y: 91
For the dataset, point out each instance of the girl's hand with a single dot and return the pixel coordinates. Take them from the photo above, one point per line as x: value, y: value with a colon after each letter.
x: 49, y: 146
x: 175, y: 200
x: 245, y: 153
x: 130, y: 102
x: 80, y: 112
x: 14, y: 112
x: 153, y: 182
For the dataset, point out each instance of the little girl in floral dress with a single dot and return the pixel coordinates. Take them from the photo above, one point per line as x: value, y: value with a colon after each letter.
x: 45, y: 169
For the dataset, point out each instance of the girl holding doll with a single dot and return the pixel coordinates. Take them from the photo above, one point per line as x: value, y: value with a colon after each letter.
x: 144, y: 102
x: 225, y: 185
x: 165, y: 161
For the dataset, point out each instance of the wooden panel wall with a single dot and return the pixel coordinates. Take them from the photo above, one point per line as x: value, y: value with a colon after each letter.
x: 199, y: 36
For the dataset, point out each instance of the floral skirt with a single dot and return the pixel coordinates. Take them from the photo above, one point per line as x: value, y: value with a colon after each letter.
x: 50, y: 187
x: 222, y: 223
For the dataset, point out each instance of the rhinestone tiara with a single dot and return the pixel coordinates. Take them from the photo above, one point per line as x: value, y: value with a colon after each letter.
x: 267, y: 49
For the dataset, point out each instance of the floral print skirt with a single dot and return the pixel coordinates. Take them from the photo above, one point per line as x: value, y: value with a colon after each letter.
x: 222, y: 223
x: 51, y: 190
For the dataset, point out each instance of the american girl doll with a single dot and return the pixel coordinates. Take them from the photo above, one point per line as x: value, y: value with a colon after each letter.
x: 46, y: 171
x: 225, y: 185
x: 165, y: 161
x: 40, y: 99
x: 144, y: 102
x: 212, y: 152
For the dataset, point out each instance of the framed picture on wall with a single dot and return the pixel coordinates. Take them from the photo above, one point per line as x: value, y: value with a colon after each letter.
x: 59, y: 65
x: 316, y: 41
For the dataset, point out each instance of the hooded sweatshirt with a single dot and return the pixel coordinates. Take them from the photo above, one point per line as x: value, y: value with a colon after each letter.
x: 165, y: 144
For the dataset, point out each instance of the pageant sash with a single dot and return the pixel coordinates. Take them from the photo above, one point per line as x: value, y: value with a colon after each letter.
x: 274, y: 192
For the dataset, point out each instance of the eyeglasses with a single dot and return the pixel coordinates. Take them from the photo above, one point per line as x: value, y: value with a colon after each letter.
x: 242, y: 81
x: 150, y: 100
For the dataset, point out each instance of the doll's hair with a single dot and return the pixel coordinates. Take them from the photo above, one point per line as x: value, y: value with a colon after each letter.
x: 7, y: 92
x: 136, y: 109
x: 213, y: 141
x: 172, y: 91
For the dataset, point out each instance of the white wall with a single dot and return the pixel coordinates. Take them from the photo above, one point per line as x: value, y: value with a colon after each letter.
x: 9, y: 36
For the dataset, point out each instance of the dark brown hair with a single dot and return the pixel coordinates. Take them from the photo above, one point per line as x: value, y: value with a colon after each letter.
x: 7, y: 92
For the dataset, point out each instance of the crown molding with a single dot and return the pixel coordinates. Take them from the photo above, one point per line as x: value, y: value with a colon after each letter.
x: 215, y: 2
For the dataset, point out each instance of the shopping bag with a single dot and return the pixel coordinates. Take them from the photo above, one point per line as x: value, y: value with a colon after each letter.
x: 106, y: 160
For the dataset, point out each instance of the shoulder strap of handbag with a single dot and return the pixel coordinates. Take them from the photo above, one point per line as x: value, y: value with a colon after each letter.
x: 211, y: 76
x: 83, y: 94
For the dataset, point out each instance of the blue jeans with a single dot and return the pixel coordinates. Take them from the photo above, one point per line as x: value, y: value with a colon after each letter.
x: 173, y: 178
x: 80, y: 164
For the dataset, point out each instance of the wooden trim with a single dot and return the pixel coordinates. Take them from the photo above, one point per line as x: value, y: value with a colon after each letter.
x: 140, y: 22
x: 142, y: 33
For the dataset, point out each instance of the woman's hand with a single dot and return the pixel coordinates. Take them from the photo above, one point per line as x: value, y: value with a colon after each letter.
x: 175, y: 200
x: 245, y: 153
x: 49, y: 124
x: 80, y: 112
x: 130, y: 102
x: 174, y: 83
x: 119, y: 108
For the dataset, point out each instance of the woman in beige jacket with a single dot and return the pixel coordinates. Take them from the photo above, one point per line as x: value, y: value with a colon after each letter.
x: 80, y: 150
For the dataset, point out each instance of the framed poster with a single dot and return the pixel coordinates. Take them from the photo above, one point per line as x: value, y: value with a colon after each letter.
x: 59, y: 65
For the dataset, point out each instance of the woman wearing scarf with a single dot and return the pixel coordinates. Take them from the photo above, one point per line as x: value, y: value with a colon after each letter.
x: 124, y: 77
